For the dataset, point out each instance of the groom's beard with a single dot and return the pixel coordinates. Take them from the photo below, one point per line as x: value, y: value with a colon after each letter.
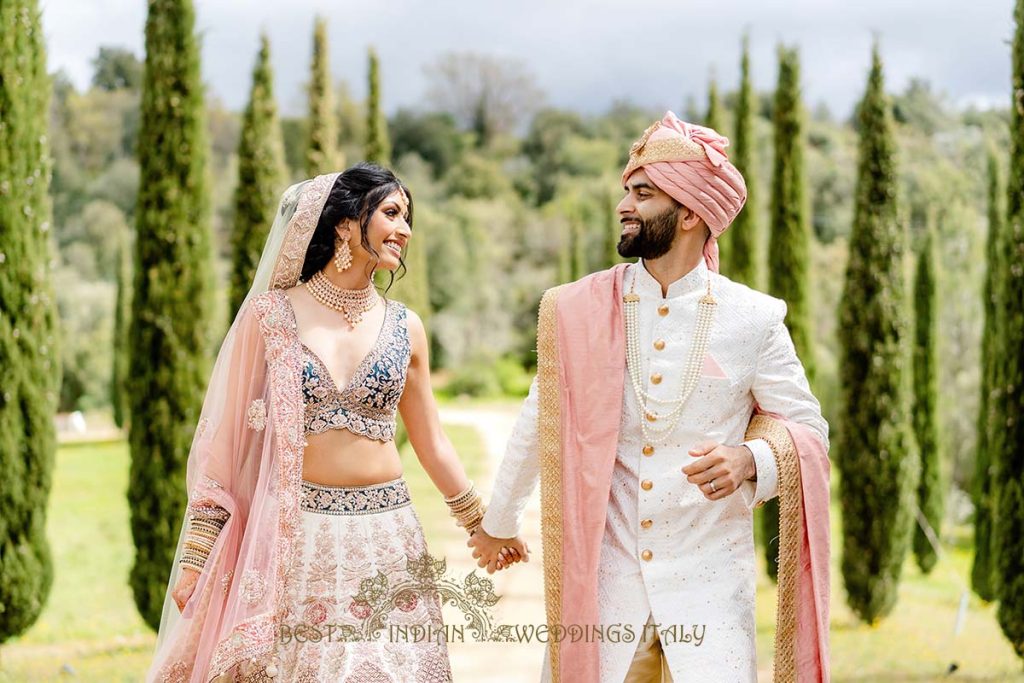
x: 654, y: 238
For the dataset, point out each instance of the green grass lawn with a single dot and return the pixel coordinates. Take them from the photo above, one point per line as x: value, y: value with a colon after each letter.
x: 91, y: 627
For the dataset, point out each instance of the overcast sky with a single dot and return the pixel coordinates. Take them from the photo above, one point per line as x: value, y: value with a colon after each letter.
x: 583, y: 53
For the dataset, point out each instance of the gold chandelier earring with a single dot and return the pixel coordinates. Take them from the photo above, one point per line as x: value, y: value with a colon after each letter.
x: 342, y: 253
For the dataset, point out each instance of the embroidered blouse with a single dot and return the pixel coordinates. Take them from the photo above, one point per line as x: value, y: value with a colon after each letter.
x: 367, y: 405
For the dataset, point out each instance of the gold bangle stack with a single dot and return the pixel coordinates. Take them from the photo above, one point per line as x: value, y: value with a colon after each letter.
x: 205, y: 523
x: 467, y: 508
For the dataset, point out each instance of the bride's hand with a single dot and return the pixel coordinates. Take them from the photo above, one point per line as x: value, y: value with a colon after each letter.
x: 185, y: 586
x: 497, y: 553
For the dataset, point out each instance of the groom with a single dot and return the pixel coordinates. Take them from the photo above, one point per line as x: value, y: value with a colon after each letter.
x: 669, y: 402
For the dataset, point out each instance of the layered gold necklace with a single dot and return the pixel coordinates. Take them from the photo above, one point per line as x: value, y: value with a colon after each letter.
x: 352, y: 303
x: 694, y: 364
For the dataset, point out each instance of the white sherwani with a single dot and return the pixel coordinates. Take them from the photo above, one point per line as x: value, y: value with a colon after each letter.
x: 700, y: 575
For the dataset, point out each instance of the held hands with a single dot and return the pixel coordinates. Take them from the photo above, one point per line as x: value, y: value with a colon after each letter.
x: 497, y: 553
x: 185, y: 586
x: 726, y: 466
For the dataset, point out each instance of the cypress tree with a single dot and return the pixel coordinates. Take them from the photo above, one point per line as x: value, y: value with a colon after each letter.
x: 1008, y: 451
x: 926, y: 428
x: 261, y: 173
x: 713, y: 119
x: 876, y: 449
x: 29, y: 353
x: 981, y: 570
x: 122, y: 318
x: 322, y: 154
x: 378, y: 147
x: 789, y: 248
x: 742, y: 241
x: 171, y: 315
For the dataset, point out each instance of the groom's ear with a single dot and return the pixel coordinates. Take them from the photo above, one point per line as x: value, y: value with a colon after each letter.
x: 688, y: 218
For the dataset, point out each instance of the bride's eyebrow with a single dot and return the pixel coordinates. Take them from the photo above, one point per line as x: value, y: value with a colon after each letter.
x: 395, y: 204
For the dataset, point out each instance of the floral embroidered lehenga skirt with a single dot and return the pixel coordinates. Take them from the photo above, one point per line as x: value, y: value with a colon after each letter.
x: 361, y: 611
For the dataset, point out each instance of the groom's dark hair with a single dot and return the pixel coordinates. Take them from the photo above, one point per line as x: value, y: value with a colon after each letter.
x: 357, y: 193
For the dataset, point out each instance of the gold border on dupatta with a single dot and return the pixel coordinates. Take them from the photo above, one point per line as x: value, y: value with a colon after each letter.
x: 299, y: 232
x: 790, y: 537
x: 252, y: 643
x: 549, y: 420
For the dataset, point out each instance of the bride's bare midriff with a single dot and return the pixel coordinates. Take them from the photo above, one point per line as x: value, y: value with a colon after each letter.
x: 338, y: 457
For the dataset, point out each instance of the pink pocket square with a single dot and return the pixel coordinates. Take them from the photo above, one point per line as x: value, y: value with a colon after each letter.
x: 711, y: 368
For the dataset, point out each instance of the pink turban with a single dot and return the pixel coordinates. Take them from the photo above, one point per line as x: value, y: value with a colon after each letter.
x: 689, y: 163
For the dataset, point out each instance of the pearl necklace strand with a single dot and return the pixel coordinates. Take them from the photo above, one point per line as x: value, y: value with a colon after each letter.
x: 352, y: 303
x: 698, y: 349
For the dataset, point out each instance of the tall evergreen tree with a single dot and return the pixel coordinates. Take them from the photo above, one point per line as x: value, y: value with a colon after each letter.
x: 981, y: 570
x: 876, y: 448
x: 29, y: 354
x: 378, y: 147
x: 171, y: 315
x: 742, y: 241
x: 122, y: 319
x: 789, y: 249
x: 713, y: 119
x: 790, y: 243
x: 261, y: 173
x: 926, y: 427
x: 1008, y: 448
x: 322, y: 154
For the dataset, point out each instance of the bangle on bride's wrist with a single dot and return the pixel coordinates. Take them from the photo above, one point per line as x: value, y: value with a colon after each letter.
x: 467, y: 508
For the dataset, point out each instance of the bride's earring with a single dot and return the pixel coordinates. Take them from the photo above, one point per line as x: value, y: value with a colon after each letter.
x: 342, y: 253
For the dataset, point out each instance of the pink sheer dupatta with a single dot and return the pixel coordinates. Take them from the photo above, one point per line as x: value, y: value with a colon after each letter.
x: 246, y: 457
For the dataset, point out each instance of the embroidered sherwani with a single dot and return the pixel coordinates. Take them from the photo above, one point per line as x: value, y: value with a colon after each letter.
x: 667, y: 552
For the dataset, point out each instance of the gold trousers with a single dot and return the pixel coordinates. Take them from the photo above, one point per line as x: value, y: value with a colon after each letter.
x: 649, y: 664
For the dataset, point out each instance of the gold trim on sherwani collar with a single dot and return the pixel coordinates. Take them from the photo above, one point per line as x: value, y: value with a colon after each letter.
x: 644, y: 152
x: 549, y: 419
x: 790, y: 539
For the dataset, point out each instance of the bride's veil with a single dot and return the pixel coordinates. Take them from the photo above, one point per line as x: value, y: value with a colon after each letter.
x: 232, y: 465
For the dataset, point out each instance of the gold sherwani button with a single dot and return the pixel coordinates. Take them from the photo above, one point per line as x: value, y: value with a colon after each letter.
x: 648, y: 450
x: 647, y: 555
x: 652, y: 418
x: 646, y: 524
x: 663, y: 310
x: 647, y: 484
x: 656, y: 378
x: 659, y: 344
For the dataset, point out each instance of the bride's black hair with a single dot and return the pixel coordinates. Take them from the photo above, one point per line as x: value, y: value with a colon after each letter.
x: 356, y: 194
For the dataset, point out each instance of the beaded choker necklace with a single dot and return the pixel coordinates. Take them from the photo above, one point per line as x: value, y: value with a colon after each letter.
x: 698, y: 349
x: 352, y: 303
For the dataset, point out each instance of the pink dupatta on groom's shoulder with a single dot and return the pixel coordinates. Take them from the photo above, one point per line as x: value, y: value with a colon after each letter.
x: 581, y: 368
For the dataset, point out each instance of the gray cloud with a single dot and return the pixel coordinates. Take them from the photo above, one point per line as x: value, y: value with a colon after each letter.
x: 584, y: 54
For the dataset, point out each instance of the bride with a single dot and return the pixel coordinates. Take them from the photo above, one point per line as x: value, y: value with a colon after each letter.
x: 296, y: 495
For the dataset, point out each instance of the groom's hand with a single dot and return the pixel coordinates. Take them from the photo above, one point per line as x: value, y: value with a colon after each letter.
x: 727, y: 466
x: 497, y: 553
